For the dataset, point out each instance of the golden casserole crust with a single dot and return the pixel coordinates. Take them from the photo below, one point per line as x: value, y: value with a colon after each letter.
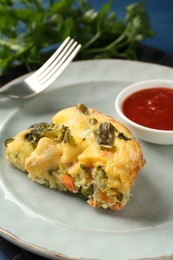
x: 82, y: 151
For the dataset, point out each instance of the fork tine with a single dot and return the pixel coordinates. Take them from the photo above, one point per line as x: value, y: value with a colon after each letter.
x: 59, y: 69
x: 58, y: 60
x: 52, y: 58
x: 57, y: 64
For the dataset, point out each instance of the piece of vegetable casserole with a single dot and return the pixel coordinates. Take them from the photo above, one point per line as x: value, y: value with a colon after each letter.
x: 83, y: 151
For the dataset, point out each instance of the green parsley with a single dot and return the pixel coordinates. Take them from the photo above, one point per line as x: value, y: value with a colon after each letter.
x: 29, y: 34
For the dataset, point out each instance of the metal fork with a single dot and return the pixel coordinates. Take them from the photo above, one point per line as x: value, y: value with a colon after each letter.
x: 44, y: 76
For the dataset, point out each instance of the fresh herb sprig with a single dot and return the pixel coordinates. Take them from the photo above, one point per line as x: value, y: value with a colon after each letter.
x: 29, y: 34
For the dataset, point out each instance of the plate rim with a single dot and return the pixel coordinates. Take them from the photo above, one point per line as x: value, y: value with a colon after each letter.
x: 32, y: 247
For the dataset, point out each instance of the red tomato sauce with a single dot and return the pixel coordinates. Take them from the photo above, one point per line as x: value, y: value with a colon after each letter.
x: 152, y: 108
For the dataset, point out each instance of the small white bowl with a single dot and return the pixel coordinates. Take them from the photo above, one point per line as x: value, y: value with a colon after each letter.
x: 151, y: 135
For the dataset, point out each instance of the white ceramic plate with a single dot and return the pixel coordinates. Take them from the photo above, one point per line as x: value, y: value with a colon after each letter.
x: 60, y: 226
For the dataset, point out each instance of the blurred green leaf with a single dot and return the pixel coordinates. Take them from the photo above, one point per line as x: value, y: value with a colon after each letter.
x: 62, y: 6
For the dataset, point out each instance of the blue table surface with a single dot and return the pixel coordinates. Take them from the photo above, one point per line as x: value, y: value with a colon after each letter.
x: 161, y: 18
